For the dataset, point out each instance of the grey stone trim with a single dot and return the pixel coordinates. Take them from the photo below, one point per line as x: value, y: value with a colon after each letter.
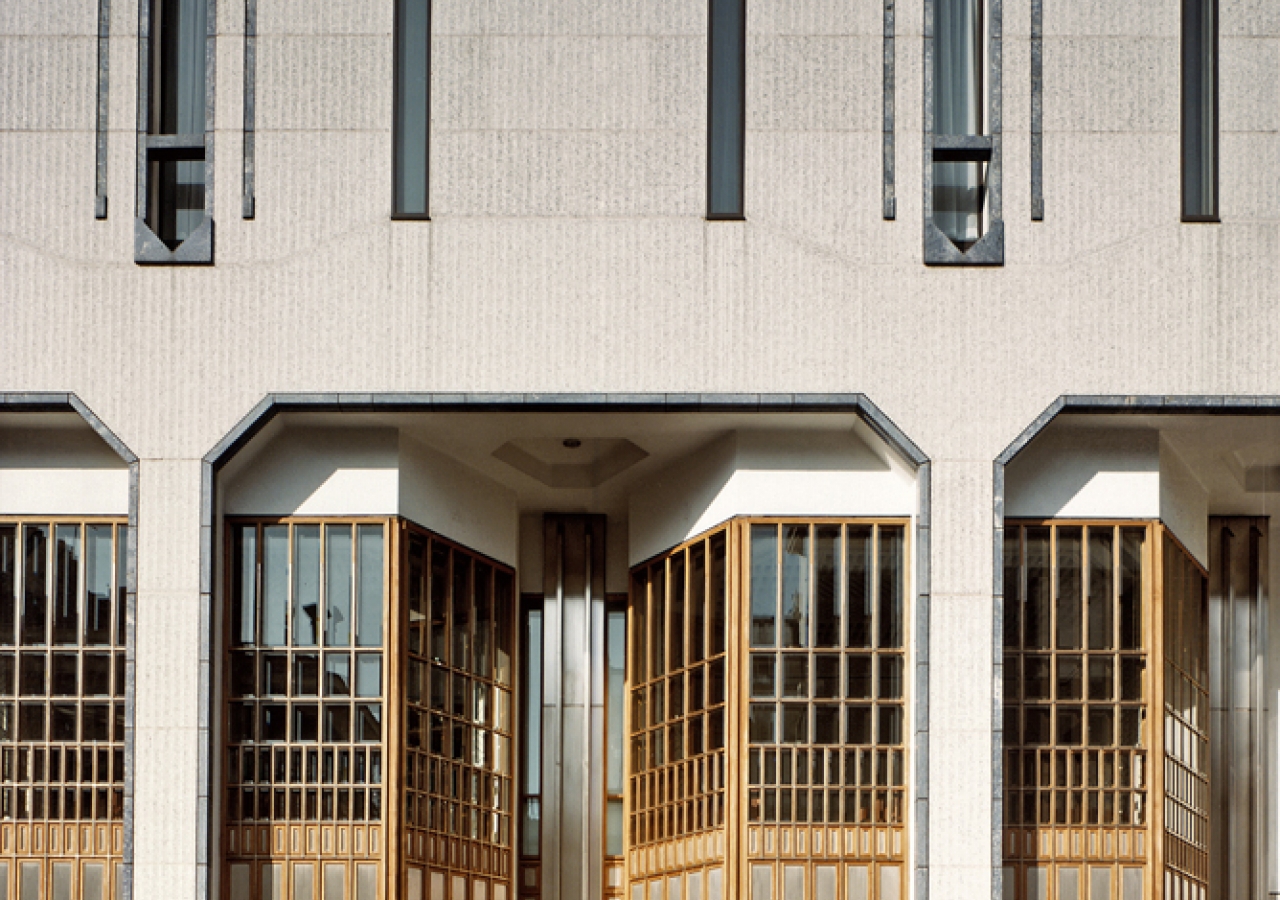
x: 1037, y: 110
x: 273, y: 404
x: 101, y: 121
x: 247, y: 199
x: 989, y: 249
x: 68, y: 402
x: 1096, y: 404
x: 197, y: 249
x: 890, y: 199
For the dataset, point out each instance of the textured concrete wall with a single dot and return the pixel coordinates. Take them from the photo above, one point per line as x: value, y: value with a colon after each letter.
x: 567, y: 253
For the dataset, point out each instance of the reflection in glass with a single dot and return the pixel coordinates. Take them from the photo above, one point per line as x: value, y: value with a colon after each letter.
x: 275, y: 583
x: 338, y: 586
x: 369, y: 623
x: 412, y: 98
x: 1101, y: 589
x: 725, y: 101
x: 958, y: 187
x: 35, y: 591
x: 795, y: 586
x: 764, y: 584
x: 892, y: 540
x: 306, y: 585
x: 1069, y: 585
x: 66, y: 588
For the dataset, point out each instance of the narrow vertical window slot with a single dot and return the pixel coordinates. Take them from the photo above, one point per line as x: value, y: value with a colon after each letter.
x: 412, y: 108
x: 174, y: 109
x: 959, y: 175
x: 962, y: 113
x: 1199, y: 110
x: 726, y: 108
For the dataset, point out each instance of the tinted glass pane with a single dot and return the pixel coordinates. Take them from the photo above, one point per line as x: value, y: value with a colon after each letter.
x: 676, y: 614
x: 764, y: 584
x: 306, y: 585
x: 369, y: 627
x: 181, y: 29
x: 35, y: 592
x: 99, y: 566
x: 892, y: 542
x: 697, y: 603
x: 413, y: 70
x: 481, y: 655
x: 858, y: 609
x: 8, y: 582
x: 1101, y: 589
x: 66, y: 585
x: 795, y: 586
x: 1037, y: 586
x: 1199, y: 108
x: 726, y: 97
x: 1131, y: 542
x: 1069, y: 587
x: 1012, y: 588
x: 338, y: 585
x: 275, y: 584
x: 827, y: 586
x: 716, y: 594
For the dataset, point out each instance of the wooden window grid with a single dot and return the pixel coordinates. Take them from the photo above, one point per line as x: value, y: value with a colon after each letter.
x: 1086, y: 775
x: 706, y: 805
x: 459, y: 616
x: 62, y: 687
x: 676, y: 720
x: 826, y: 693
x: 305, y: 763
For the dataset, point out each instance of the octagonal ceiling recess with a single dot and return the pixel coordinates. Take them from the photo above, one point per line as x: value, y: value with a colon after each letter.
x: 562, y: 464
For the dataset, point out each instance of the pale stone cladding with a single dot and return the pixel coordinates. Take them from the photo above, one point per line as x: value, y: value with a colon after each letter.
x: 568, y: 253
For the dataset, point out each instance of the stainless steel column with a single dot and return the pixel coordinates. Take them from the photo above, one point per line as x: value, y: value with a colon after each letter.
x: 1237, y: 642
x: 573, y: 693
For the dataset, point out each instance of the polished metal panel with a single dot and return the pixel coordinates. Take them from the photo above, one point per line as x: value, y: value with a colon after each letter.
x: 573, y: 707
x: 1237, y: 646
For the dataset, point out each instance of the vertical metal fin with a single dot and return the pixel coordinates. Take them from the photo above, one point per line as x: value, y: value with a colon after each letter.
x: 247, y: 199
x: 573, y: 707
x: 890, y: 199
x: 1037, y: 110
x: 101, y: 125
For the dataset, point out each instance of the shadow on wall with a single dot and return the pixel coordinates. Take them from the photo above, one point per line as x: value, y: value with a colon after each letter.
x: 768, y: 473
x: 1086, y: 472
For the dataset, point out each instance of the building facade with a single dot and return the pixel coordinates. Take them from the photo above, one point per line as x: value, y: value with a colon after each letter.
x: 670, y: 451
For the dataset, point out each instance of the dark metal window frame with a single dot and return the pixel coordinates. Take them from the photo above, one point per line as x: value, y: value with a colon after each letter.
x: 396, y: 213
x: 148, y: 248
x: 739, y: 214
x: 988, y: 250
x: 1188, y: 49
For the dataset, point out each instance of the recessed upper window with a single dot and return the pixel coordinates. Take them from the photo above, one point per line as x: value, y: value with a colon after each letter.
x: 962, y: 208
x: 174, y: 207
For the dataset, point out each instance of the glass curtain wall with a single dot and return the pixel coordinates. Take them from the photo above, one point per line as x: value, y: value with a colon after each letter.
x: 62, y: 717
